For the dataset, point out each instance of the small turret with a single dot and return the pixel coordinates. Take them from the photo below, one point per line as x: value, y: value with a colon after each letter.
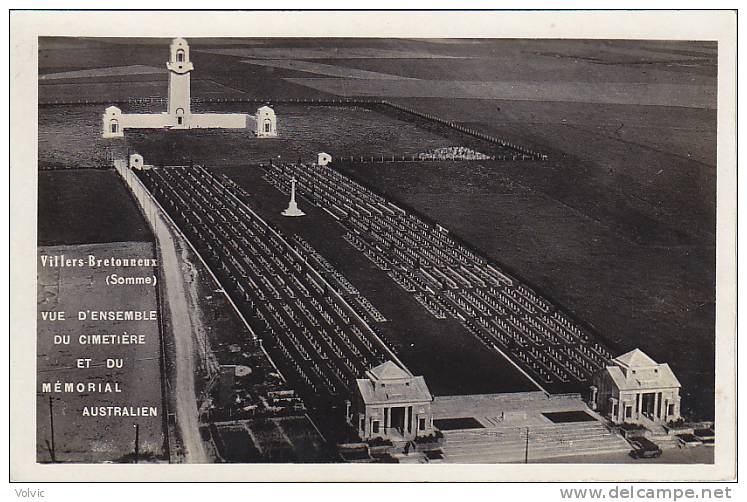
x: 112, y: 123
x: 266, y: 122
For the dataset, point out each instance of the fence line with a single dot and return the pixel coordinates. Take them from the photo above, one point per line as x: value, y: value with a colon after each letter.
x: 388, y: 159
x: 465, y: 130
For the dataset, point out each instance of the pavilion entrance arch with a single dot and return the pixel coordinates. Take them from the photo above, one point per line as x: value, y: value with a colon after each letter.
x: 650, y: 405
x: 399, y: 414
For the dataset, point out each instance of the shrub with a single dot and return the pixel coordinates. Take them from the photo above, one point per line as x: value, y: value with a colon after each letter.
x: 430, y: 438
x: 379, y: 441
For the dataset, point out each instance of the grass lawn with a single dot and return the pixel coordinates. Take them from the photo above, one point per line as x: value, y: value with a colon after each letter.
x: 633, y: 295
x: 87, y: 206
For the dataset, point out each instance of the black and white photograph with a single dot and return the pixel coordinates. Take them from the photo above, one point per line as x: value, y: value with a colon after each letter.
x: 368, y: 250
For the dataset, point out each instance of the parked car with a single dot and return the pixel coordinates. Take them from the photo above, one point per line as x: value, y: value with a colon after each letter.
x: 643, y: 448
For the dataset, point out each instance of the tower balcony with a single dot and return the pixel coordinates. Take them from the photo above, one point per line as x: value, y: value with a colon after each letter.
x: 180, y: 67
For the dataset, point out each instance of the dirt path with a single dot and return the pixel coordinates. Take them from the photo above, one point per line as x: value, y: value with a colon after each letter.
x: 183, y: 325
x: 208, y: 363
x: 182, y: 328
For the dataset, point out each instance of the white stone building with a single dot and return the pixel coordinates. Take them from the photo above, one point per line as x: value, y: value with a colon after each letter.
x: 392, y: 404
x: 323, y: 158
x: 635, y: 389
x: 137, y: 163
x: 178, y: 114
x: 267, y: 125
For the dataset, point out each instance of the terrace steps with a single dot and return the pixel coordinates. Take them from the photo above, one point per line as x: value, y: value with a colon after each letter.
x: 509, y: 444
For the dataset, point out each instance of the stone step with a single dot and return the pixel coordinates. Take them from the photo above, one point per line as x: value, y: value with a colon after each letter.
x: 535, y: 445
x: 538, y: 427
x: 412, y: 458
x: 508, y: 444
x: 579, y: 442
x: 665, y: 440
x: 537, y: 453
x: 522, y: 432
x: 483, y: 434
x: 518, y: 456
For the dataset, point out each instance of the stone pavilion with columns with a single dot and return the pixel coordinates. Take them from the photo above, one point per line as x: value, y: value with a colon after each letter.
x: 633, y: 388
x: 391, y: 403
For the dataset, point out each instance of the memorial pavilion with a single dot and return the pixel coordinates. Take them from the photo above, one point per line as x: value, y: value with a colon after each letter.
x: 634, y: 388
x: 391, y: 403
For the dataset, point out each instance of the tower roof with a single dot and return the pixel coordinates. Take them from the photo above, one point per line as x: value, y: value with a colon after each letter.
x: 179, y: 41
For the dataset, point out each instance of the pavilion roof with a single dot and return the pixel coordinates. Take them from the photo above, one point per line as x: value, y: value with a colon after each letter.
x: 388, y: 383
x: 636, y: 358
x: 635, y: 370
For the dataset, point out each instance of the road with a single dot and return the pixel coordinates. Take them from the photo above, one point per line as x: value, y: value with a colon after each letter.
x: 694, y: 455
x: 183, y: 328
x: 183, y: 325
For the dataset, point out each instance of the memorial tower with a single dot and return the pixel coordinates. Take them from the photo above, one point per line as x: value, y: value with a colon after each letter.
x: 179, y: 67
